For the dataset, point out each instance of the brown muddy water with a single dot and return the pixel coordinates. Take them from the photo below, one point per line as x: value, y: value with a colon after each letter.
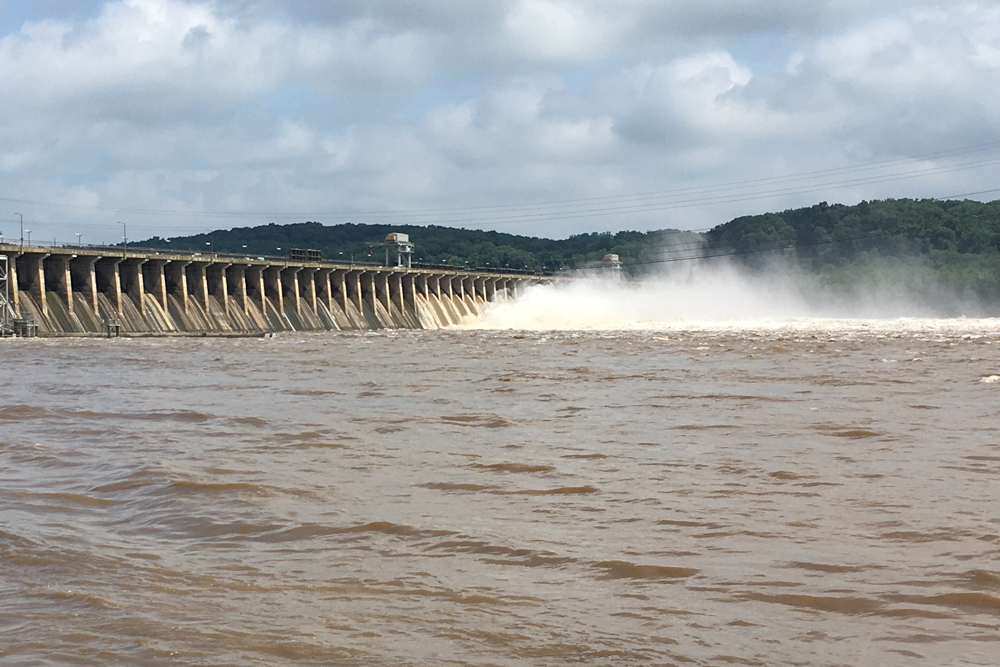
x: 821, y: 493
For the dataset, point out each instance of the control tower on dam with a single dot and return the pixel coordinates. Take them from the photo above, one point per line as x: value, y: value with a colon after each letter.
x: 87, y: 290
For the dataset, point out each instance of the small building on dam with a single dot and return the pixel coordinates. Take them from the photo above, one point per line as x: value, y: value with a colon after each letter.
x: 87, y: 290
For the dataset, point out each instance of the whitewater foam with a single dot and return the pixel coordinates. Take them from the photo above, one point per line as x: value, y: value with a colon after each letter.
x: 720, y: 299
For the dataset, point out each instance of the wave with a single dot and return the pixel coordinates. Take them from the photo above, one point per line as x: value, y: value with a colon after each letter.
x: 310, y: 531
x: 25, y: 412
x: 502, y: 555
x: 558, y: 491
x: 980, y: 602
x: 186, y: 487
x: 620, y: 569
x: 481, y: 421
x: 455, y: 486
x: 66, y: 499
x: 510, y: 467
x: 837, y: 604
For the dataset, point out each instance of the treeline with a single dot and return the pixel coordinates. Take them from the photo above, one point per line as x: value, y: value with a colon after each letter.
x: 433, y: 245
x: 937, y: 247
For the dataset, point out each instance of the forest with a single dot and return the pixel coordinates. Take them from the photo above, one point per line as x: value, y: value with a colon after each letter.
x: 434, y: 245
x: 940, y: 249
x: 933, y: 245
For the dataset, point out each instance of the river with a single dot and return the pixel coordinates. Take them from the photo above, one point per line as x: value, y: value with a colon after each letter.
x: 793, y: 492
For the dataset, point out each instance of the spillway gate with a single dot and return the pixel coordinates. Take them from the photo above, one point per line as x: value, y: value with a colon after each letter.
x: 79, y: 290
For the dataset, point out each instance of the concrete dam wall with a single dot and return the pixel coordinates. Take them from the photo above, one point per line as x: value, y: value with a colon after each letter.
x: 81, y: 290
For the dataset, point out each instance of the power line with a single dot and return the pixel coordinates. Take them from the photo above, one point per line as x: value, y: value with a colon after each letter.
x: 757, y: 250
x: 725, y: 199
x: 594, y: 206
x: 713, y: 188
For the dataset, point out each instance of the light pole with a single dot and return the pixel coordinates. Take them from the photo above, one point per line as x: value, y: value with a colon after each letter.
x: 79, y: 239
x: 5, y: 274
x: 28, y: 232
x: 211, y: 249
x: 124, y: 238
x: 22, y: 230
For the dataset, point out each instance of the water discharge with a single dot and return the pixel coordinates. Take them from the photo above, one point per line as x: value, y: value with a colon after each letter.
x: 699, y: 296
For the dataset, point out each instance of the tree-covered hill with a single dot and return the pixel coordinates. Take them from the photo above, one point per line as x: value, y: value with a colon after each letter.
x: 433, y: 244
x: 836, y: 234
x: 933, y: 244
x: 950, y: 245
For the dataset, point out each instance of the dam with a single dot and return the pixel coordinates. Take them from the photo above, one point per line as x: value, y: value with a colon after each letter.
x: 110, y: 290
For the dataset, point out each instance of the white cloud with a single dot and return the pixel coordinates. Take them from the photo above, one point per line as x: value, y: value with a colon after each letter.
x: 318, y: 107
x: 157, y: 58
x: 137, y: 57
x: 684, y: 101
x: 559, y: 30
x: 913, y: 83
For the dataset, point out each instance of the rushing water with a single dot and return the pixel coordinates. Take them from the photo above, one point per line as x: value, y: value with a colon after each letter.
x: 803, y: 493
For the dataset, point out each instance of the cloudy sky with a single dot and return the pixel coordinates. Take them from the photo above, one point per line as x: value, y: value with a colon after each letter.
x: 547, y: 117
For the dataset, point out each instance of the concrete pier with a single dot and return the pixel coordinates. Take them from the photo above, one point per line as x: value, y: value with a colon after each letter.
x: 79, y: 290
